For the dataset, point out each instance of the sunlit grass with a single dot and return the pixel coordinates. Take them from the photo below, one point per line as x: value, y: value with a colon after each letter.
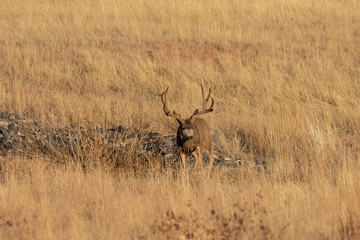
x: 285, y: 77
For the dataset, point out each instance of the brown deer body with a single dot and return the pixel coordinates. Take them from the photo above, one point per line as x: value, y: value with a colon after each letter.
x: 193, y: 134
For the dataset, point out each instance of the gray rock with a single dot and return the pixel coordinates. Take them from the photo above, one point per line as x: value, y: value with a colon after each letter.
x: 12, y: 127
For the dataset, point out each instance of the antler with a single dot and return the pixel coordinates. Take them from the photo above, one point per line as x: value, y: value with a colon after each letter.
x: 205, y: 102
x: 166, y: 109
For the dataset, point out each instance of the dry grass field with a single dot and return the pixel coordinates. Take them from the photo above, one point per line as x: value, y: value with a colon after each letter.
x: 285, y: 76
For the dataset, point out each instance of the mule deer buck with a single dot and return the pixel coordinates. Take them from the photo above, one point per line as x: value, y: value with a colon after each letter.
x: 193, y: 134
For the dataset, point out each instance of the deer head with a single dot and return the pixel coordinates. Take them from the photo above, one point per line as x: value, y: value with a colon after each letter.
x: 187, y: 125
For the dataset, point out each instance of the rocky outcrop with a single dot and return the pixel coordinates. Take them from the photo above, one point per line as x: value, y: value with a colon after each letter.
x: 25, y: 135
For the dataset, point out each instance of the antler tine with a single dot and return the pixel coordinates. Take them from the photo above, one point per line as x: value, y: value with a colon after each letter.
x: 163, y: 100
x: 205, y: 101
x: 202, y: 94
x: 166, y: 109
x: 212, y: 103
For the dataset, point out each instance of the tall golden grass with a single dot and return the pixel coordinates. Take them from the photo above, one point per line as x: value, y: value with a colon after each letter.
x: 285, y: 77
